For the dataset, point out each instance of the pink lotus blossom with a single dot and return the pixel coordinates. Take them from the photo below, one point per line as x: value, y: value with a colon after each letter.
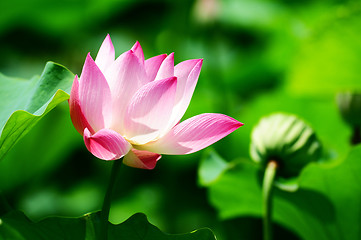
x: 131, y: 107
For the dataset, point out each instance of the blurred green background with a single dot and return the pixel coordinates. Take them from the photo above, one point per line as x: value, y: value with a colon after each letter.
x: 260, y: 56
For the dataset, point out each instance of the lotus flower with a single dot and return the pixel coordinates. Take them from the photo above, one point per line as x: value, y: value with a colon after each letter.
x: 130, y: 107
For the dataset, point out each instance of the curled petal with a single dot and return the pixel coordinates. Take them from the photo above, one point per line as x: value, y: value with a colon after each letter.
x: 166, y: 69
x: 149, y: 110
x: 138, y: 51
x: 152, y: 65
x: 141, y: 159
x: 194, y: 134
x: 106, y: 144
x: 94, y: 95
x: 76, y: 113
x: 105, y: 55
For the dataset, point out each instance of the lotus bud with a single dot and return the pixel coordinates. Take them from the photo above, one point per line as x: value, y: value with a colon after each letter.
x: 287, y: 140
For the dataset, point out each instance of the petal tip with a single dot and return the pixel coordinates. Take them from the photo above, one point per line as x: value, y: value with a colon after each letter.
x: 238, y: 125
x: 174, y: 78
x: 234, y: 122
x: 171, y: 81
x: 109, y: 40
x: 199, y: 64
x: 86, y: 133
x: 129, y: 52
x: 88, y: 58
x: 136, y: 44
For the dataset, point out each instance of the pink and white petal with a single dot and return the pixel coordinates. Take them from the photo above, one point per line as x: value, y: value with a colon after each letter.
x: 106, y: 54
x: 150, y: 110
x: 141, y: 159
x: 125, y: 77
x: 106, y: 144
x: 152, y: 66
x: 187, y: 73
x: 166, y: 69
x: 94, y: 95
x: 76, y: 113
x: 194, y: 134
x: 138, y: 51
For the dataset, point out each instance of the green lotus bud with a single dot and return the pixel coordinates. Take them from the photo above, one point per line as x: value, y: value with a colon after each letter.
x: 287, y: 140
x: 350, y: 107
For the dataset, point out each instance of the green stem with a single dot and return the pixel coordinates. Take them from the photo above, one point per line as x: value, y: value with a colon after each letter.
x: 268, y: 180
x: 104, y: 215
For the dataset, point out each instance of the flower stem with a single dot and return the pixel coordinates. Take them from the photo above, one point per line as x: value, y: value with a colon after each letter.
x: 104, y: 214
x: 268, y: 181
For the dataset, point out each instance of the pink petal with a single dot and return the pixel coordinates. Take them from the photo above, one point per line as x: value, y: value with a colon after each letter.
x: 94, y: 95
x: 194, y: 134
x: 138, y: 51
x: 152, y: 65
x: 76, y: 113
x: 105, y: 55
x: 106, y: 144
x: 141, y: 159
x: 125, y: 77
x: 166, y: 69
x: 187, y: 73
x: 150, y: 110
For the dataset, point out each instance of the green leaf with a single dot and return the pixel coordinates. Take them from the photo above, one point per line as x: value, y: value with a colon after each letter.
x: 15, y: 225
x: 42, y: 150
x: 326, y: 206
x: 342, y: 185
x: 138, y: 227
x: 212, y: 166
x: 24, y: 102
x: 237, y: 192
